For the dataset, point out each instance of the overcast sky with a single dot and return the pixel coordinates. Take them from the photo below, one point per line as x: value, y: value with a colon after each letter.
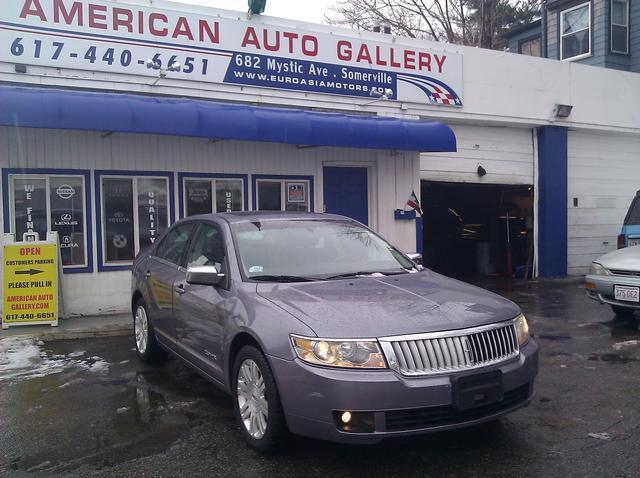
x: 304, y: 10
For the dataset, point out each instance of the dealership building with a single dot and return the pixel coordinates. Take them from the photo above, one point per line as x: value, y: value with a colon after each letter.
x: 119, y: 118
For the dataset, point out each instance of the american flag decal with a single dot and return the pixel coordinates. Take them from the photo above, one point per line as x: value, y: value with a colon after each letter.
x: 437, y: 91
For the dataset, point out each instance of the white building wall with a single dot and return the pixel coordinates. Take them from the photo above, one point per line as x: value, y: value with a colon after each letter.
x: 392, y: 177
x: 505, y: 153
x: 604, y: 175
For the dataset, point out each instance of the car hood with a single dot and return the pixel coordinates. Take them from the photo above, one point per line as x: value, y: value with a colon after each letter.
x: 627, y: 259
x: 391, y: 305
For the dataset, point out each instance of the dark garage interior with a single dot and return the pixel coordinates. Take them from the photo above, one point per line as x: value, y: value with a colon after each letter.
x: 476, y: 230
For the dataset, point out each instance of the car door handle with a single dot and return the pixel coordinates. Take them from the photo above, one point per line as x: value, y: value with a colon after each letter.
x: 179, y: 289
x: 147, y: 274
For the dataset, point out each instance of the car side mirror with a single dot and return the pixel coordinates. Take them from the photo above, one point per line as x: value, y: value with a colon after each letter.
x: 416, y: 258
x: 204, y: 275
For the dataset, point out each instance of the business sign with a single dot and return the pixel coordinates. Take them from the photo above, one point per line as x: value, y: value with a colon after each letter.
x: 133, y: 39
x: 30, y: 283
x: 296, y: 192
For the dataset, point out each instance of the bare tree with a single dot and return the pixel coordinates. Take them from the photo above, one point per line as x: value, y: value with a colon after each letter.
x: 467, y: 22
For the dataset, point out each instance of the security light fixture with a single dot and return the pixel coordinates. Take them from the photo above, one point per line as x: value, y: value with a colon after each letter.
x: 162, y: 73
x: 562, y: 111
x: 380, y: 94
x: 175, y: 66
x: 156, y: 65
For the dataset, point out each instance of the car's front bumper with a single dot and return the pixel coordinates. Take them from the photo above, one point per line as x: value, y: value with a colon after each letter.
x: 400, y: 405
x: 600, y: 288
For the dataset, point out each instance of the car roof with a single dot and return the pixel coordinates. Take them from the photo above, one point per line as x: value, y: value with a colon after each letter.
x: 251, y: 216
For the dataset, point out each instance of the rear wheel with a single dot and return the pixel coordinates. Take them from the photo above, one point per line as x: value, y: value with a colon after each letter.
x: 147, y: 347
x: 623, y: 312
x: 256, y: 401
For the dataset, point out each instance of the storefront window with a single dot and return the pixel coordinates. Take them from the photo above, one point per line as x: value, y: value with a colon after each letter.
x: 199, y: 198
x: 43, y: 202
x: 152, y: 210
x: 67, y: 200
x: 282, y: 195
x: 135, y: 213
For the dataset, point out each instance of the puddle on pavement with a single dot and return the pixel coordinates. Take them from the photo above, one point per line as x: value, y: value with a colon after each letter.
x: 127, y: 411
x: 554, y: 337
x: 623, y: 328
x: 614, y: 358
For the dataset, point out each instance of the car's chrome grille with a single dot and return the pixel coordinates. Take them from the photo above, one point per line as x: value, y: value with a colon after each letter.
x: 452, y: 351
x: 618, y: 272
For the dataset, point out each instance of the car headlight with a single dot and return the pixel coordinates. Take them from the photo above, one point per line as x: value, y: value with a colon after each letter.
x: 339, y: 353
x: 598, y: 270
x: 522, y: 330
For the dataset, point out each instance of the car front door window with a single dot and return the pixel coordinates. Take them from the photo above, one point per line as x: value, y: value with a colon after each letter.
x: 207, y: 248
x: 174, y: 245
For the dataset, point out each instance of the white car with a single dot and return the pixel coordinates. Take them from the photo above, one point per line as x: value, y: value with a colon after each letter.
x: 614, y: 279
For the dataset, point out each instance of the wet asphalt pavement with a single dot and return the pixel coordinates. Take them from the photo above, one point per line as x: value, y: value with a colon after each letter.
x: 90, y: 408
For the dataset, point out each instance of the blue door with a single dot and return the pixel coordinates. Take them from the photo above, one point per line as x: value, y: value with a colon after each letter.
x: 346, y: 192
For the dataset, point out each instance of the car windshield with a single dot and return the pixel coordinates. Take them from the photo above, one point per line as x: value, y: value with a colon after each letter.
x: 294, y: 250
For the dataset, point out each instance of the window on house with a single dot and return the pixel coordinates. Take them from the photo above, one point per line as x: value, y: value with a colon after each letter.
x: 48, y: 202
x: 134, y: 214
x: 620, y: 26
x: 575, y: 39
x: 530, y: 47
x: 282, y: 195
x: 208, y: 195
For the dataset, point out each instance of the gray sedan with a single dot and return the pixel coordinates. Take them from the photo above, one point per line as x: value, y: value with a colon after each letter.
x: 317, y: 326
x: 614, y: 279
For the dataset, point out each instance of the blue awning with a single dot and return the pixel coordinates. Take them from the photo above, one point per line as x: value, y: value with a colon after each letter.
x: 114, y: 112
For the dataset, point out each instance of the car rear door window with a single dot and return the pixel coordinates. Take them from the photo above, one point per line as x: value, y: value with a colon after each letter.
x: 207, y: 248
x: 174, y: 245
x: 633, y: 216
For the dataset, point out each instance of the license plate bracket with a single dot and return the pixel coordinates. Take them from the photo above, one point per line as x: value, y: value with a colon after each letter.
x: 625, y: 293
x: 472, y: 391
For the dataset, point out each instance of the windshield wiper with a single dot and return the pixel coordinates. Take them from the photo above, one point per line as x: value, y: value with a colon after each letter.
x: 282, y: 278
x: 365, y: 273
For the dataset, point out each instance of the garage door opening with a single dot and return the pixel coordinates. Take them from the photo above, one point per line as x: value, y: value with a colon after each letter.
x: 476, y: 230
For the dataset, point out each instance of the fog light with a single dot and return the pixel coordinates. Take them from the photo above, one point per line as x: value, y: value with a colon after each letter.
x: 354, y: 422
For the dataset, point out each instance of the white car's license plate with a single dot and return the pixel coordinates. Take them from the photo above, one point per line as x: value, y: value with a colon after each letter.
x: 633, y: 242
x: 626, y: 294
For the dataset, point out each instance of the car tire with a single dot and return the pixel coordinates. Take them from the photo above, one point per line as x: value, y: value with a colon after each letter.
x: 147, y: 346
x: 254, y: 390
x: 622, y: 312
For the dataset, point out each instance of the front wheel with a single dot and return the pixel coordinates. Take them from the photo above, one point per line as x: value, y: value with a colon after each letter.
x: 256, y: 401
x: 147, y: 347
x: 622, y: 312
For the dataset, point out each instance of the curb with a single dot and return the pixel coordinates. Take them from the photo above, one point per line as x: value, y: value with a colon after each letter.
x: 71, y: 331
x: 49, y: 336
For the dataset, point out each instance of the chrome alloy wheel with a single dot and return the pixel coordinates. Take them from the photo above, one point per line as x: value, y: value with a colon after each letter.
x: 253, y: 406
x: 141, y: 329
